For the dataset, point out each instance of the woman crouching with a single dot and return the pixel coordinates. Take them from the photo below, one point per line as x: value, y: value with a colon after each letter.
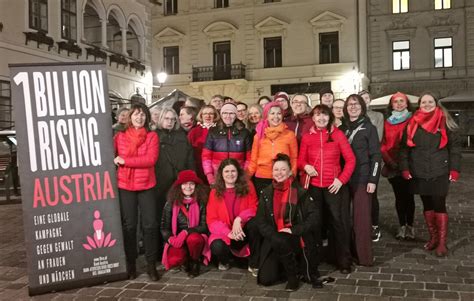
x: 183, y: 225
x: 285, y: 215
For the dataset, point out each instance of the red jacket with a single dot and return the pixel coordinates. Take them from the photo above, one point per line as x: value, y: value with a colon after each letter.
x: 392, y: 138
x: 137, y: 173
x: 325, y: 156
x: 197, y: 137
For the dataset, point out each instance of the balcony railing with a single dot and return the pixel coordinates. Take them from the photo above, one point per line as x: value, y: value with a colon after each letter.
x: 220, y: 72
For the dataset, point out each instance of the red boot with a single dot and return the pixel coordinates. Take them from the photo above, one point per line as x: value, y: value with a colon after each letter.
x: 430, y: 220
x: 442, y: 225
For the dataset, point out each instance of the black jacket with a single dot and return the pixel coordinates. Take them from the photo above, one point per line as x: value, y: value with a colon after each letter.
x: 366, y: 147
x: 182, y: 221
x: 175, y: 155
x: 426, y: 160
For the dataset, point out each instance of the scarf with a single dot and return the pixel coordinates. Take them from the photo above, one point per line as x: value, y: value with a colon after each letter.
x: 206, y: 125
x: 273, y: 132
x: 399, y: 117
x: 263, y: 123
x: 135, y: 138
x: 432, y: 122
x: 192, y: 213
x: 283, y: 194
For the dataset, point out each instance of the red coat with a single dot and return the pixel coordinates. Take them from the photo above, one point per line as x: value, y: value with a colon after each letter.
x: 325, y: 156
x: 217, y: 216
x: 197, y: 137
x: 392, y: 138
x: 137, y: 173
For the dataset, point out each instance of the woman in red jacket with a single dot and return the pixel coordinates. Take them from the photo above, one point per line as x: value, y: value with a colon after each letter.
x: 137, y: 151
x: 230, y: 211
x: 207, y: 118
x: 399, y: 114
x: 320, y: 155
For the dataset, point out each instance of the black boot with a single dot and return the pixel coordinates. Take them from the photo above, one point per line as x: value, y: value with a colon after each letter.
x: 195, y: 268
x: 291, y: 266
x: 152, y: 272
x: 131, y: 270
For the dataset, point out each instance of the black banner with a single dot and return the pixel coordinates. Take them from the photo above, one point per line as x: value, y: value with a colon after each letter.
x: 71, y: 212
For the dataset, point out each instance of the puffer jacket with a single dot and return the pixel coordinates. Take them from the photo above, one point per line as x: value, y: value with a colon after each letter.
x: 264, y: 151
x: 137, y: 173
x: 182, y: 221
x: 226, y: 142
x: 300, y: 124
x: 324, y: 153
x: 426, y: 160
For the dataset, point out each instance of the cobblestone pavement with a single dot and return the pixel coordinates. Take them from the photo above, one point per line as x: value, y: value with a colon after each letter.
x: 402, y: 270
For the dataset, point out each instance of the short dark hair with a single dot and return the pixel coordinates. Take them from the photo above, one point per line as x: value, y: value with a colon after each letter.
x: 361, y: 101
x: 243, y: 104
x: 282, y: 157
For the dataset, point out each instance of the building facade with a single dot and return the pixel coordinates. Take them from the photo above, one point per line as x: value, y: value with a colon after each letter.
x: 244, y: 49
x: 116, y: 32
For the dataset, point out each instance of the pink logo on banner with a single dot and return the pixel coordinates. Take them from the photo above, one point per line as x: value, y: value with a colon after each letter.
x: 100, y: 240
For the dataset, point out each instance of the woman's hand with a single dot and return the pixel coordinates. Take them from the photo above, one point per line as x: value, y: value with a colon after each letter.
x: 371, y: 187
x: 237, y: 230
x: 286, y: 230
x: 310, y: 170
x: 119, y: 161
x: 335, y: 186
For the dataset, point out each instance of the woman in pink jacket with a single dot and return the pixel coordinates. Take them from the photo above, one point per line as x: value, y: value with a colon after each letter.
x: 136, y: 151
x: 320, y: 155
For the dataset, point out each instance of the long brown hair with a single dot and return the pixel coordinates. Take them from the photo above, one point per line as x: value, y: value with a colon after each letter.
x: 241, y: 184
x: 140, y: 107
x: 175, y: 194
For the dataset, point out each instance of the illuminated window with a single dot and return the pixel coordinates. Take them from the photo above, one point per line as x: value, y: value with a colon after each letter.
x: 68, y: 19
x: 442, y: 4
x: 38, y: 12
x: 443, y: 52
x: 399, y: 6
x: 401, y: 55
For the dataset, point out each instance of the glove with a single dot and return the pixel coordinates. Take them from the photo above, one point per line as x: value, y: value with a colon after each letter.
x: 178, y: 240
x: 406, y: 174
x: 453, y: 175
x: 210, y: 178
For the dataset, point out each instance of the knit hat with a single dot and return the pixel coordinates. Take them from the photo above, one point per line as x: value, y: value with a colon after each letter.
x: 229, y: 107
x: 281, y: 95
x: 324, y: 91
x: 185, y: 176
x: 399, y: 95
x: 263, y: 123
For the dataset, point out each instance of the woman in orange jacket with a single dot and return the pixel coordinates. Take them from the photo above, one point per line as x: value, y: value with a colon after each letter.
x: 273, y: 137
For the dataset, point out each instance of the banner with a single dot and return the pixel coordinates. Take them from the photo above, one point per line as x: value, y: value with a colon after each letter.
x: 71, y: 212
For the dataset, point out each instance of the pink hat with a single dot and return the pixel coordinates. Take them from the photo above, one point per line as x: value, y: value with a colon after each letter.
x: 229, y: 107
x: 263, y: 123
x: 185, y: 176
x: 399, y: 95
x: 281, y: 95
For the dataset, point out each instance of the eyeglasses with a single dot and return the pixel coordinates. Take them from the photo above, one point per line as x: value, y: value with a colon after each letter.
x: 207, y: 114
x: 227, y: 114
x: 338, y: 108
x: 242, y: 111
x: 354, y: 105
x: 299, y: 102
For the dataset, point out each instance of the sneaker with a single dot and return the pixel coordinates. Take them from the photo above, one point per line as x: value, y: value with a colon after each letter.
x: 253, y: 271
x: 410, y: 233
x: 401, y: 233
x: 376, y: 234
x: 223, y: 266
x: 325, y: 242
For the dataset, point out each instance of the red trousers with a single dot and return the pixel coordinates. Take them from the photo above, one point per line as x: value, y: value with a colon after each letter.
x: 191, y: 249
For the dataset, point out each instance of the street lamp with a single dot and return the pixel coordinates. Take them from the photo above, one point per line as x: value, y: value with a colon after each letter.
x: 162, y: 76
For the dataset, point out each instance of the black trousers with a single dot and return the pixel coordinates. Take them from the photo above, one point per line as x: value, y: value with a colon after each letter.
x: 252, y: 237
x: 271, y: 269
x: 338, y: 218
x: 130, y: 202
x: 434, y: 202
x: 404, y: 200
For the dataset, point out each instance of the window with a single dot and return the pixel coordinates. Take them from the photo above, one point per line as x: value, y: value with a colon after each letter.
x: 38, y: 13
x: 442, y: 4
x: 399, y: 6
x: 221, y: 3
x: 329, y: 47
x: 171, y: 7
x: 6, y: 121
x: 272, y: 52
x: 401, y: 55
x: 68, y: 19
x: 270, y: 1
x: 443, y: 52
x: 171, y: 59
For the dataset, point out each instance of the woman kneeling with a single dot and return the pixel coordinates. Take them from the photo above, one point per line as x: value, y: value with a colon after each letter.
x: 285, y: 216
x: 183, y: 225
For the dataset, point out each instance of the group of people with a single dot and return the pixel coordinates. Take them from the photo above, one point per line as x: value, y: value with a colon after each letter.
x: 270, y: 181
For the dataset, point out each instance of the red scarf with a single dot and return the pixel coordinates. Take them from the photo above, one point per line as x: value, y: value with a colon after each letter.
x: 432, y: 122
x: 135, y: 138
x: 192, y: 214
x: 282, y: 194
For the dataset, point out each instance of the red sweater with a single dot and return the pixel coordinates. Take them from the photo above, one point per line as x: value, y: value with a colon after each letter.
x: 137, y: 173
x: 392, y: 138
x: 325, y: 156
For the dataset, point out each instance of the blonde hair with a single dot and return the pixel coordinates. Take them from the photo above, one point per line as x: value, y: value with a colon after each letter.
x: 450, y: 123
